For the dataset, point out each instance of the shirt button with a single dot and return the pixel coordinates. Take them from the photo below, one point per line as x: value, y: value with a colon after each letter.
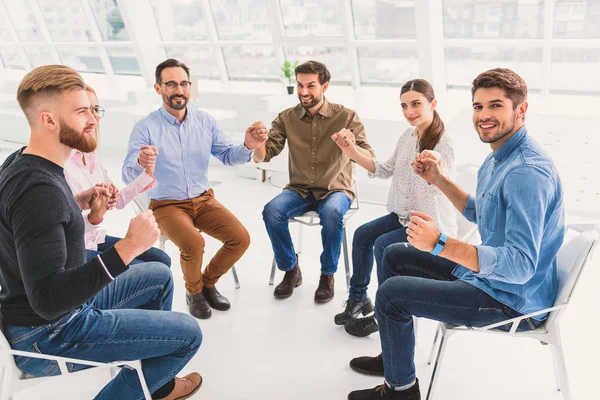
x: 313, y: 153
x: 312, y: 181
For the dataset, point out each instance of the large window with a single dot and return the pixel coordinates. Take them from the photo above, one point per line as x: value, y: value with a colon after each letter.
x: 23, y: 19
x: 180, y: 19
x: 81, y: 58
x: 109, y: 20
x: 251, y: 62
x: 242, y: 19
x: 384, y: 19
x: 200, y: 59
x: 65, y: 20
x: 311, y: 18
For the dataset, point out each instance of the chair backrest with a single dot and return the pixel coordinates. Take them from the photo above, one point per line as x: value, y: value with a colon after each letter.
x: 570, y: 260
x: 141, y: 202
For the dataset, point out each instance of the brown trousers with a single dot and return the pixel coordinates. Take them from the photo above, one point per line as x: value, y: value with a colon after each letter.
x: 182, y: 222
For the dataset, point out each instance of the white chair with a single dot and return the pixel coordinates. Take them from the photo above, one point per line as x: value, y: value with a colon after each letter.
x: 571, y: 259
x: 13, y: 377
x: 311, y: 218
x: 141, y: 202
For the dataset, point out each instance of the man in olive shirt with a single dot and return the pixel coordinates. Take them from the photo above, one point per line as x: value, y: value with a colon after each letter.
x: 320, y: 175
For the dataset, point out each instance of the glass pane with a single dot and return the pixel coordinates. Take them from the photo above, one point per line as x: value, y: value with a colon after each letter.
x: 493, y: 19
x: 10, y: 58
x: 256, y: 62
x: 242, y: 19
x: 575, y: 70
x: 335, y: 58
x: 384, y: 19
x: 109, y: 20
x: 311, y: 17
x: 200, y: 60
x: 81, y: 58
x: 39, y: 56
x: 4, y: 34
x: 65, y: 20
x: 180, y: 19
x: 576, y: 19
x: 385, y: 65
x: 464, y: 64
x: 24, y: 21
x: 123, y: 60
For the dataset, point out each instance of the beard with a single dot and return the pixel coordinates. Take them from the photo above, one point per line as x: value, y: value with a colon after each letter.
x: 314, y: 102
x: 170, y: 101
x: 76, y: 140
x: 504, y: 129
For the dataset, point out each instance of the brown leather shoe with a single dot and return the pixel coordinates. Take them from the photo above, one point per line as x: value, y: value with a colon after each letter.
x: 185, y: 387
x: 199, y: 308
x: 324, y: 292
x: 292, y: 279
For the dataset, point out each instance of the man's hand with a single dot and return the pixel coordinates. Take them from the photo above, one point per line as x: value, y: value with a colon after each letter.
x: 113, y: 198
x: 147, y: 157
x: 143, y: 231
x: 99, y: 206
x: 428, y: 165
x: 256, y: 135
x: 85, y: 198
x: 422, y: 232
x: 346, y: 142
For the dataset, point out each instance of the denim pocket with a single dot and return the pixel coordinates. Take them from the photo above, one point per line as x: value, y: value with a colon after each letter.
x: 489, y: 211
x: 36, y: 366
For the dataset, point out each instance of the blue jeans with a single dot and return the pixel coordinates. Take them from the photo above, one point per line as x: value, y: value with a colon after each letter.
x: 371, y: 239
x: 128, y: 320
x: 289, y: 204
x: 420, y: 284
x: 151, y: 255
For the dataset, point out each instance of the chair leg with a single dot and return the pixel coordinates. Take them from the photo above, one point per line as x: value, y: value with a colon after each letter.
x: 140, y: 373
x: 438, y: 363
x: 435, y: 339
x: 273, y: 268
x: 162, y: 242
x: 416, y: 328
x: 560, y: 368
x: 235, y: 277
x: 7, y: 383
x: 346, y: 259
x: 299, y: 249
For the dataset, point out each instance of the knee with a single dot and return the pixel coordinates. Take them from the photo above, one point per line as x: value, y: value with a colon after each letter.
x: 158, y: 271
x: 241, y: 240
x: 164, y: 258
x: 192, y: 246
x: 331, y: 216
x: 191, y: 331
x: 379, y: 248
x: 361, y: 237
x: 272, y: 214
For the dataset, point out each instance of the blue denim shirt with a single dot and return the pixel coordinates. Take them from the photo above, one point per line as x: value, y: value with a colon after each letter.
x: 519, y: 212
x: 183, y: 152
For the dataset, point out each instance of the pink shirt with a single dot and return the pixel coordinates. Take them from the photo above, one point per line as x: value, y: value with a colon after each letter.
x: 83, y: 176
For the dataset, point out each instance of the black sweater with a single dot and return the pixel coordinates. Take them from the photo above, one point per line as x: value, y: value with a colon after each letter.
x: 43, y: 268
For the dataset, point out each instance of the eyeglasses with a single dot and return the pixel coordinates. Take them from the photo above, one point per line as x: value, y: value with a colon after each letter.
x: 98, y: 111
x: 172, y: 85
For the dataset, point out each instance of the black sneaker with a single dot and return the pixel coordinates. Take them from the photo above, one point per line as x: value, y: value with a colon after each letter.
x: 362, y: 327
x: 352, y: 309
x: 385, y: 392
x: 368, y: 365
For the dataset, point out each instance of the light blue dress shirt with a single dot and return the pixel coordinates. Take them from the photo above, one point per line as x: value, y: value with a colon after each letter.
x: 183, y: 152
x: 519, y: 212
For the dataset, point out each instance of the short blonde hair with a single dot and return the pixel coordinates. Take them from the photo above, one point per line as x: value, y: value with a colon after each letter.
x: 48, y: 80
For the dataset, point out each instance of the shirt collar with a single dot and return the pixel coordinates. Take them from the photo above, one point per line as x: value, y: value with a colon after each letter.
x: 507, y: 148
x: 90, y: 159
x: 325, y: 110
x: 169, y: 117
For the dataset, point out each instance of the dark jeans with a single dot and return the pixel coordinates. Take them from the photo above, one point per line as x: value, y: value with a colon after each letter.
x: 127, y: 320
x: 153, y: 254
x: 416, y: 283
x: 370, y: 240
x: 289, y: 204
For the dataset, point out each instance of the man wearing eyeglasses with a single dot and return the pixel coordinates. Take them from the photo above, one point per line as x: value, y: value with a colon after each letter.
x: 183, y: 203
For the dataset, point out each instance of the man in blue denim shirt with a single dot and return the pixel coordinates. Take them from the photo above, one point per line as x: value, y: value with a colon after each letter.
x: 518, y: 209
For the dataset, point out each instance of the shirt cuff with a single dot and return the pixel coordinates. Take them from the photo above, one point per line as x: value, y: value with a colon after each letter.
x: 112, y: 263
x: 470, y: 211
x: 377, y: 164
x: 487, y: 259
x: 145, y: 182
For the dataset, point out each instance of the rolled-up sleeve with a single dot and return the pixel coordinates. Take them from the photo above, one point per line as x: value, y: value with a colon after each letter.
x: 527, y: 192
x: 470, y: 212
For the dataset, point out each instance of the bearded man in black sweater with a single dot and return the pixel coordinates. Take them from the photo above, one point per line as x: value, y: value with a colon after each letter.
x: 52, y: 300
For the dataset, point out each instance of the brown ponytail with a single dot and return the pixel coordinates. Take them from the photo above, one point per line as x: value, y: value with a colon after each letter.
x: 433, y: 133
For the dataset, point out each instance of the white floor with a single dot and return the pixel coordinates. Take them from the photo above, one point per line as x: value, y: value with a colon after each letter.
x: 290, y: 349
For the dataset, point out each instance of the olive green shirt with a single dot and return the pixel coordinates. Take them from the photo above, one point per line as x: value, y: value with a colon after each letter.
x: 316, y: 163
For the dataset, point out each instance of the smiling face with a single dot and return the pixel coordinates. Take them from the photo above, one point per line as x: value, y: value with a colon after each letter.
x: 417, y: 110
x: 77, y: 125
x: 310, y: 91
x: 495, y: 117
x: 176, y: 98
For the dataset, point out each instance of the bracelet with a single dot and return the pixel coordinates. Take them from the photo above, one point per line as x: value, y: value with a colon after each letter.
x: 441, y: 243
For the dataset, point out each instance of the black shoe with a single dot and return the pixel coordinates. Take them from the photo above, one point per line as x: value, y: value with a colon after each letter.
x: 368, y: 365
x: 384, y: 392
x: 199, y: 308
x: 353, y: 309
x: 361, y: 327
x: 215, y: 299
